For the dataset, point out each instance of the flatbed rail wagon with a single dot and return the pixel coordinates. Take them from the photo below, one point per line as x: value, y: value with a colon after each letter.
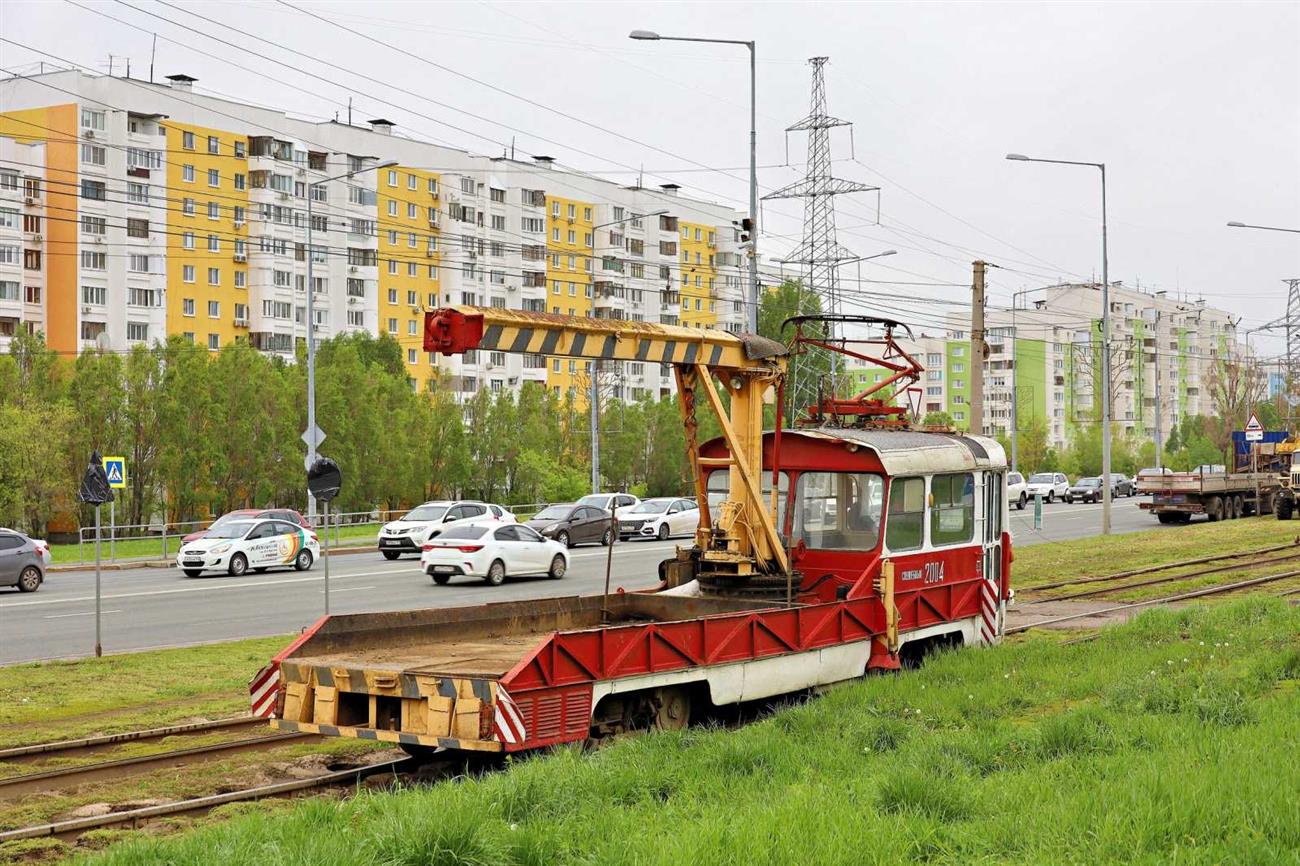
x: 838, y: 546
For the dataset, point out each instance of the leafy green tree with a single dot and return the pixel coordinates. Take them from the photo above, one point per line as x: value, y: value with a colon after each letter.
x: 937, y: 419
x: 781, y: 303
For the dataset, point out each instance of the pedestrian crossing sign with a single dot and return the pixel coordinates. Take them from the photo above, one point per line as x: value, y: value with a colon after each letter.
x: 115, y: 469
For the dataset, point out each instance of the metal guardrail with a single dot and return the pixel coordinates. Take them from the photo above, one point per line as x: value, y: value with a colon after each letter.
x: 168, y: 536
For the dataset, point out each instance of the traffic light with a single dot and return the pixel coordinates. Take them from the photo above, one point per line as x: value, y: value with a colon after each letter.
x: 744, y: 231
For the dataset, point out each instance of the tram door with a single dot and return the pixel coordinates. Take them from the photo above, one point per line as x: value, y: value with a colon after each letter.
x: 994, y: 508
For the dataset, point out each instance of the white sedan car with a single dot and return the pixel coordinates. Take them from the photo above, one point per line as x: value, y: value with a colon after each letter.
x: 660, y: 518
x: 492, y: 551
x: 622, y: 503
x: 408, y: 534
x: 239, y: 545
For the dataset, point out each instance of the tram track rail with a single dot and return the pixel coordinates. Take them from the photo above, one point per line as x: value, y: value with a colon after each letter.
x: 1183, y: 596
x: 1231, y: 568
x: 136, y: 818
x: 1168, y: 566
x: 62, y: 778
x: 104, y: 742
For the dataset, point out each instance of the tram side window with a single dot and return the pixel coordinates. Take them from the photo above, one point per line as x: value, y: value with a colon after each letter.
x: 719, y: 484
x: 952, y: 511
x: 905, y: 528
x: 838, y: 510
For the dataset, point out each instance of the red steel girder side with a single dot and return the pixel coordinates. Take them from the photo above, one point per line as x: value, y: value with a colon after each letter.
x: 570, y: 658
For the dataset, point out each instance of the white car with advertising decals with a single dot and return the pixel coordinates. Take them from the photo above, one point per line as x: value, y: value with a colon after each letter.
x: 492, y: 551
x: 241, y: 545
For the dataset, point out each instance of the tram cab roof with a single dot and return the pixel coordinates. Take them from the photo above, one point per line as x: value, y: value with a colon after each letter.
x: 899, y: 452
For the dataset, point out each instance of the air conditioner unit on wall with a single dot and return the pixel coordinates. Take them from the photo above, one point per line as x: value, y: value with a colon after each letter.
x: 88, y: 133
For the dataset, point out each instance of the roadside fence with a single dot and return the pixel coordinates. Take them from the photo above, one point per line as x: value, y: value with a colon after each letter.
x: 152, y: 541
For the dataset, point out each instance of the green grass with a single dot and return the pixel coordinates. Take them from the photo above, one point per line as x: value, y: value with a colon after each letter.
x: 1170, y: 739
x: 1101, y: 555
x: 44, y: 701
x: 152, y: 548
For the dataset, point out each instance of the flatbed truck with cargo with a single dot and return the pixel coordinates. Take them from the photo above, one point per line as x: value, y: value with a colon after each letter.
x: 1178, y: 496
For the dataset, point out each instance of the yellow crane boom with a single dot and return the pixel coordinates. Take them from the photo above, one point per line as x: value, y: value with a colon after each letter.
x: 744, y: 539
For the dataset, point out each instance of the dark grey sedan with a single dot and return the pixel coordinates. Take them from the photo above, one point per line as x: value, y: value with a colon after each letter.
x: 573, y: 524
x: 22, y: 561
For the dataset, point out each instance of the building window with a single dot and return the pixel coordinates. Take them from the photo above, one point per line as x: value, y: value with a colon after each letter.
x: 214, y: 210
x: 93, y: 261
x: 214, y: 276
x: 187, y: 173
x: 187, y: 240
x: 137, y: 332
x: 94, y: 295
x: 214, y: 177
x: 136, y: 228
x: 187, y: 306
x: 91, y: 119
x: 33, y: 294
x: 93, y: 189
x: 214, y: 341
x: 241, y: 279
x: 214, y: 309
x: 214, y: 245
x: 187, y: 273
x: 92, y: 154
x: 214, y: 144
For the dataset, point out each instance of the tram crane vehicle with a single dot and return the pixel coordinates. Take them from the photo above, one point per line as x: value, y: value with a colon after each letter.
x: 848, y: 541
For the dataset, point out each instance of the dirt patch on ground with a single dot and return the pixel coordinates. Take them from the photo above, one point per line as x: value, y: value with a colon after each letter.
x: 1089, y: 614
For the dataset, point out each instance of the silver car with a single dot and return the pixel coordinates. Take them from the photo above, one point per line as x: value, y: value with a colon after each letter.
x: 22, y: 561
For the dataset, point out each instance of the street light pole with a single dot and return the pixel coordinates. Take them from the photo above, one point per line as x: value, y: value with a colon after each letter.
x: 1105, y: 337
x: 311, y: 326
x: 650, y: 36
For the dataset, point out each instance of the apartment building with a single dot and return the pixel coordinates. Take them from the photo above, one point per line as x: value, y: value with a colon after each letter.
x: 1164, y: 352
x: 159, y: 211
x: 24, y: 249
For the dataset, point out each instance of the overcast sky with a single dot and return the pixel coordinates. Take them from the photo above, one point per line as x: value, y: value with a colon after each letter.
x: 1194, y: 107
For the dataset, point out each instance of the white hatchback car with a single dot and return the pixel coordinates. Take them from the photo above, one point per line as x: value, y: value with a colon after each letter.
x: 622, y: 503
x: 492, y: 551
x: 409, y: 533
x: 1016, y: 490
x: 660, y: 518
x: 1049, y: 485
x: 239, y: 545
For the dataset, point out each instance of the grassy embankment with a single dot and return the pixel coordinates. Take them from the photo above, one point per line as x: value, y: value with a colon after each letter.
x: 1002, y: 754
x: 1169, y: 739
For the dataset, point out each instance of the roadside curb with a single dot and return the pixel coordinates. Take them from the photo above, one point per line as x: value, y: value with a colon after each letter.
x: 171, y: 563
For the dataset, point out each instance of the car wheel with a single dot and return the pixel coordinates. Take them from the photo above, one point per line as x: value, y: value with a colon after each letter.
x: 558, y: 567
x: 563, y: 538
x: 496, y: 574
x: 1069, y: 500
x: 441, y: 579
x: 302, y: 561
x: 193, y: 572
x: 1021, y: 502
x: 1051, y: 494
x: 238, y: 565
x: 662, y: 534
x: 30, y: 579
x: 606, y: 538
x: 390, y: 555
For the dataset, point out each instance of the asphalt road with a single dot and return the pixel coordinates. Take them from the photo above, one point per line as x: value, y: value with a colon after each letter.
x: 158, y: 607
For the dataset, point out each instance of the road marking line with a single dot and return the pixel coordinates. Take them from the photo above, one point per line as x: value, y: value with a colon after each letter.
x: 87, y: 613
x: 348, y: 589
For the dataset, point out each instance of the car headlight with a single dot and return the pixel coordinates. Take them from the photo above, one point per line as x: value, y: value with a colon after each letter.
x: 220, y: 548
x: 548, y: 530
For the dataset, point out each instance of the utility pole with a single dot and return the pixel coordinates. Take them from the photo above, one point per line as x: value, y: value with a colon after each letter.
x: 595, y: 421
x: 977, y: 348
x: 1159, y: 437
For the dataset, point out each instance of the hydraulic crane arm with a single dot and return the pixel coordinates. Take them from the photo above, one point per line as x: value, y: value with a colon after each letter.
x: 744, y: 539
